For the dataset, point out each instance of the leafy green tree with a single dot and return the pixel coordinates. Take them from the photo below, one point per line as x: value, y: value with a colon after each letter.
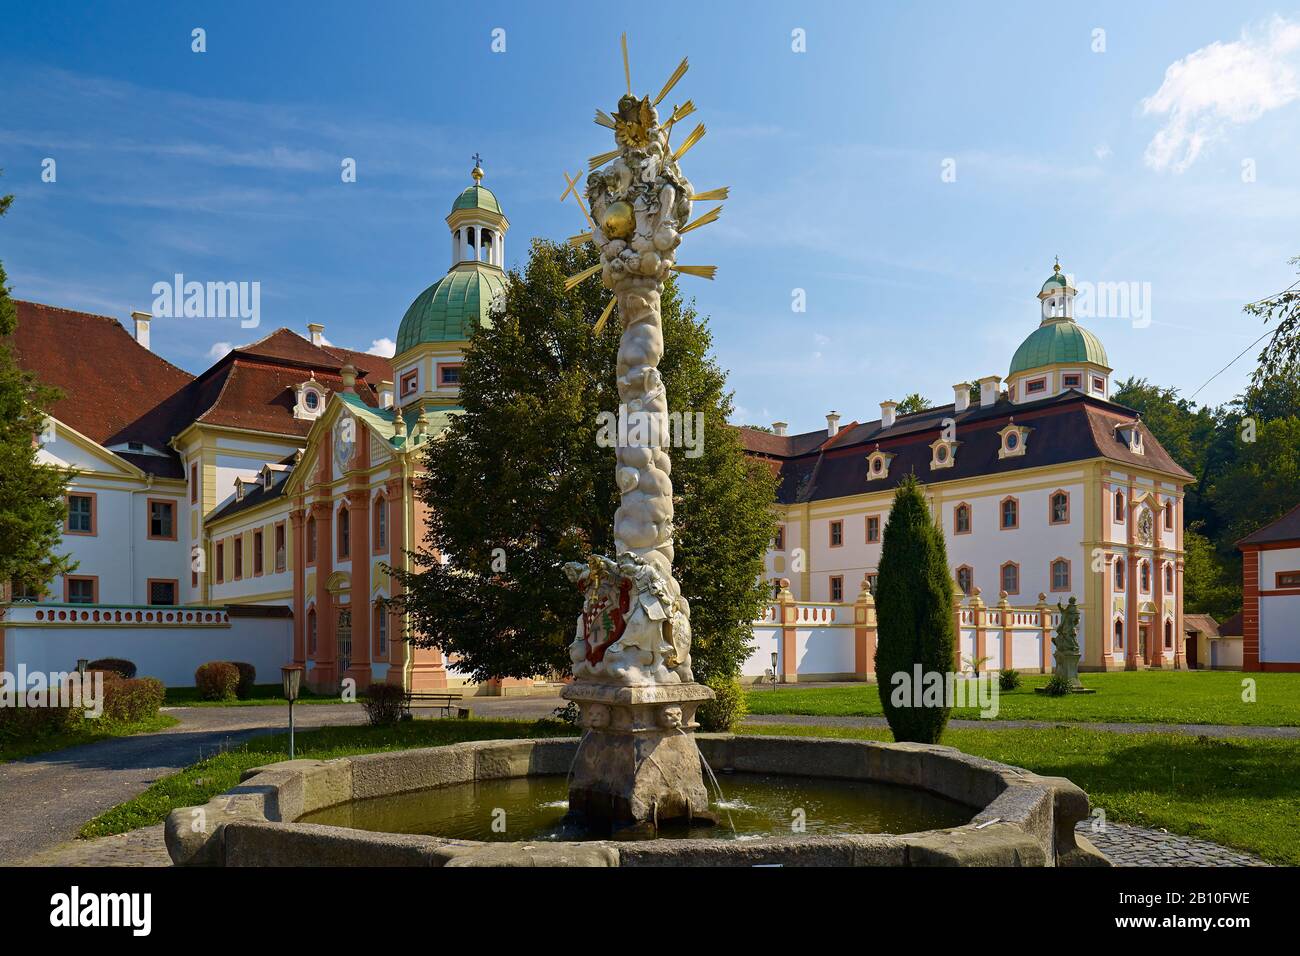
x: 1211, y: 582
x: 914, y: 615
x: 518, y: 484
x: 1262, y: 484
x: 1282, y: 350
x: 31, y: 494
x: 916, y: 402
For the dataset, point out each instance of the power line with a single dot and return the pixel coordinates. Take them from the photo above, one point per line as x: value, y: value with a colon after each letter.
x: 1230, y: 364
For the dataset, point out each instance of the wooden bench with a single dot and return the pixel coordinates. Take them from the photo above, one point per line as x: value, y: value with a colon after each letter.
x: 436, y: 700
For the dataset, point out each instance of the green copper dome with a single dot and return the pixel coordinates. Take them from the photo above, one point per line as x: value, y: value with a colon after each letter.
x: 477, y: 197
x: 451, y: 308
x: 1058, y: 343
x: 1056, y: 281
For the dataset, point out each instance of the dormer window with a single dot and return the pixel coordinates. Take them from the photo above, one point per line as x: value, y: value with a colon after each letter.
x: 878, y: 464
x: 1013, y: 440
x: 1131, y: 435
x: 310, y: 399
x: 943, y: 453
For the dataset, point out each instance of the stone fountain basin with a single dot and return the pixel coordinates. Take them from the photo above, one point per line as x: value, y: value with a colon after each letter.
x: 1018, y: 818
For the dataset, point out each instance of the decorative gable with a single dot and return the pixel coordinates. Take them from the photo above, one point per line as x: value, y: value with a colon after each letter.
x: 943, y: 452
x: 310, y: 403
x: 878, y: 464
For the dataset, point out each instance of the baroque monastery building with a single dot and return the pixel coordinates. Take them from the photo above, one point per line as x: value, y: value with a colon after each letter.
x: 249, y: 512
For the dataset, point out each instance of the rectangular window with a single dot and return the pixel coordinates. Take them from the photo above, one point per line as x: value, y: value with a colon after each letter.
x: 280, y: 557
x: 345, y: 532
x: 1098, y: 384
x: 81, y: 515
x: 381, y: 524
x: 311, y: 540
x: 1071, y: 381
x: 449, y: 374
x: 162, y: 520
x: 1288, y: 579
x: 1060, y: 503
x: 258, y: 544
x: 80, y: 590
x: 837, y: 533
x: 194, y: 483
x: 238, y: 545
x: 837, y: 589
x: 873, y: 529
x: 162, y: 592
x: 1060, y: 575
x: 1035, y: 386
x: 221, y: 561
x: 778, y: 541
x: 381, y: 629
x: 961, y: 519
x: 871, y: 583
x: 194, y: 579
x: 410, y: 382
x: 1010, y: 513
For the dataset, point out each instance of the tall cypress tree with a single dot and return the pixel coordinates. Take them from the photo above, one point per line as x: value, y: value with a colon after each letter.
x: 914, y: 615
x: 31, y: 494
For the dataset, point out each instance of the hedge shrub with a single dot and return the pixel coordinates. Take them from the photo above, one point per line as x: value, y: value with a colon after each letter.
x: 217, y: 680
x: 247, y: 679
x: 113, y: 665
x: 726, y: 710
x: 131, y: 701
x: 384, y: 703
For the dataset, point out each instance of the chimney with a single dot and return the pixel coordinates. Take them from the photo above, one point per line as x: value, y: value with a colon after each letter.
x: 385, y: 394
x: 349, y: 376
x: 832, y: 424
x: 317, y: 333
x: 142, y: 320
x: 778, y: 428
x: 989, y: 390
x: 961, y: 396
x: 887, y: 410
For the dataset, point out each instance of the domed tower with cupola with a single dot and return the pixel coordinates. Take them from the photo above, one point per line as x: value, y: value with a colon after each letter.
x: 435, y: 329
x: 1060, y: 355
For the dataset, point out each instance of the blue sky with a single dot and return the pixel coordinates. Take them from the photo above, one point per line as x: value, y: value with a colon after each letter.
x: 1167, y: 158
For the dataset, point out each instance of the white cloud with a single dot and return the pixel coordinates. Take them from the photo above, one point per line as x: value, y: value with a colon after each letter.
x: 219, y: 351
x: 1220, y: 86
x: 1102, y: 151
x: 385, y: 348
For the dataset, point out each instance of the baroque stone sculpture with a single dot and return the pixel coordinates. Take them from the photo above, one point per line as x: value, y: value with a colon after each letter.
x: 638, y: 766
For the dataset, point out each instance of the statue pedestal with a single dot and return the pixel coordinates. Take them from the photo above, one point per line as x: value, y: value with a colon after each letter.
x: 1067, y: 665
x: 637, y: 765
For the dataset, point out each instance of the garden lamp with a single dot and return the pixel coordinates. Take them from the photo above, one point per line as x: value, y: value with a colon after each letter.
x: 291, y: 678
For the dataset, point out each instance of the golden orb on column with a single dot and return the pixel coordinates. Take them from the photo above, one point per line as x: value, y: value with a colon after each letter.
x: 619, y: 222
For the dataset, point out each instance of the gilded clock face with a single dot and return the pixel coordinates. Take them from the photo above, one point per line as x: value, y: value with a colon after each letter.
x: 1145, y: 527
x: 345, y: 440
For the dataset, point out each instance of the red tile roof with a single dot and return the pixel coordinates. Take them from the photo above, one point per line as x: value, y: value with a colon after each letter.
x: 114, y: 390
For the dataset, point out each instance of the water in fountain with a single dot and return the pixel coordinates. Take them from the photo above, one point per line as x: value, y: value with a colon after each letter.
x: 717, y: 788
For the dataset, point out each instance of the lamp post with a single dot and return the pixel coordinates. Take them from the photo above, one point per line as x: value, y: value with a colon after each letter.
x: 291, y: 679
x: 774, y: 658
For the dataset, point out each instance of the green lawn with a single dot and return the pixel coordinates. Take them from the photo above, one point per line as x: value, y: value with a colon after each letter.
x: 1242, y: 792
x: 200, y: 782
x: 262, y: 695
x: 1166, y: 697
x: 90, y: 732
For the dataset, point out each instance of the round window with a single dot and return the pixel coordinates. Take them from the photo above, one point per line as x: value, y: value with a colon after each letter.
x: 1013, y: 439
x: 877, y: 465
x: 942, y: 454
x: 311, y: 400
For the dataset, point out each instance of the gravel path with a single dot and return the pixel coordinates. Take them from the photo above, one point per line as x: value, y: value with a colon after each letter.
x: 1193, y: 730
x: 44, y: 800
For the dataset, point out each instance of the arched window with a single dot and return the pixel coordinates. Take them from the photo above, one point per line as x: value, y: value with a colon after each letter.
x: 311, y: 539
x: 345, y: 532
x: 961, y: 519
x: 1011, y: 577
x: 1119, y: 633
x: 1060, y: 575
x: 1144, y: 572
x: 1010, y: 513
x: 381, y: 523
x: 965, y: 580
x: 1169, y: 633
x: 1119, y: 506
x: 311, y: 632
x: 1169, y: 516
x: 1169, y: 578
x: 1119, y: 574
